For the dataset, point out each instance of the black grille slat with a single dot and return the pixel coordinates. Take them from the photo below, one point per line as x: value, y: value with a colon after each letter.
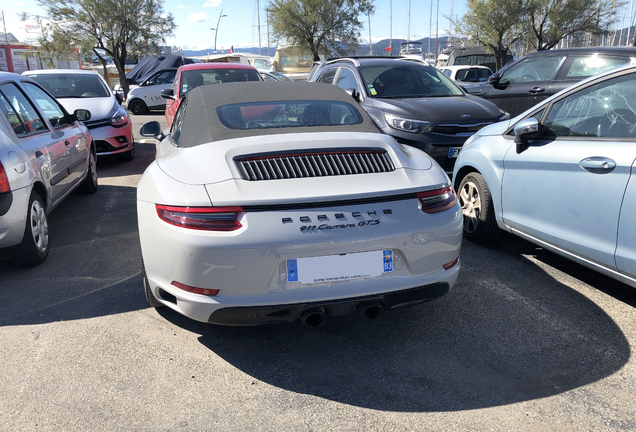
x: 319, y: 163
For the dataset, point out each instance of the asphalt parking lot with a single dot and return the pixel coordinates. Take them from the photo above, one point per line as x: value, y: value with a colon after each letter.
x: 525, y: 341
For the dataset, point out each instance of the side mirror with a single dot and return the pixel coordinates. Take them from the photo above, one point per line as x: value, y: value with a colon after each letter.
x: 525, y: 131
x: 168, y: 94
x: 494, y: 79
x: 152, y: 129
x: 82, y: 115
x: 119, y: 97
x: 354, y: 94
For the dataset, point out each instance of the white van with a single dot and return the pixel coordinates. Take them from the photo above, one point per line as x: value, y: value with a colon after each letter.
x: 148, y: 95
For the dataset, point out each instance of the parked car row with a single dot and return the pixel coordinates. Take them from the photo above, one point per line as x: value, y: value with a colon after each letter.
x: 244, y: 217
x: 45, y: 154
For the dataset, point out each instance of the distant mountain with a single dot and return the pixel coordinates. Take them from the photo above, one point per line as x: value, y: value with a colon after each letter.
x: 378, y: 48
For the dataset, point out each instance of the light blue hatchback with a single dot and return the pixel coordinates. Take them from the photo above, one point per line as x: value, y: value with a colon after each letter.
x: 561, y: 175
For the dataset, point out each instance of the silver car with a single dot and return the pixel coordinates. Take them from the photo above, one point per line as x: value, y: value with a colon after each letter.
x: 560, y: 175
x: 45, y: 154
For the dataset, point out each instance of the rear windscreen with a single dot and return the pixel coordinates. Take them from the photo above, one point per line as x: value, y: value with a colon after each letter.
x: 287, y: 114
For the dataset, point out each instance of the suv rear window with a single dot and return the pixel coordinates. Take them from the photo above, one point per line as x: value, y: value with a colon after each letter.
x: 582, y: 67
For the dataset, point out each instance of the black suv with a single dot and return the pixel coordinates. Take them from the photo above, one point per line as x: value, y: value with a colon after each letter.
x: 539, y: 75
x: 414, y: 103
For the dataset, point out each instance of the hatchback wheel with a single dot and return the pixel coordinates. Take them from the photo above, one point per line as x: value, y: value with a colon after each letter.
x: 127, y: 156
x: 137, y: 106
x: 90, y: 183
x: 34, y: 247
x: 480, y: 224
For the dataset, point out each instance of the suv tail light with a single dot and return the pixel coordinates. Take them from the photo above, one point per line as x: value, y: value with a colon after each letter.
x: 4, y: 180
x: 437, y: 200
x: 201, y: 218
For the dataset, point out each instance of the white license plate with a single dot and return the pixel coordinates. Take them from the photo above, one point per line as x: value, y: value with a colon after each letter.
x: 333, y: 268
x: 454, y: 151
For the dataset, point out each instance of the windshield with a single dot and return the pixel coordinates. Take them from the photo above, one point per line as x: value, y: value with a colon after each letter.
x: 284, y: 114
x: 70, y: 85
x: 411, y: 81
x: 196, y: 78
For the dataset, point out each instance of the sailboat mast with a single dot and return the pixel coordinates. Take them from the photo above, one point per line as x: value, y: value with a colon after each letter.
x: 258, y: 12
x: 391, y: 25
x: 408, y: 25
x: 370, y: 41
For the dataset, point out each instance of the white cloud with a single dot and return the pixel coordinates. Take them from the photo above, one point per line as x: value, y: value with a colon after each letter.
x: 198, y: 17
x: 19, y: 4
x: 212, y: 3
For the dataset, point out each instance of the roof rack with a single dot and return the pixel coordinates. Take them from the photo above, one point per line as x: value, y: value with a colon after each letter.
x: 354, y: 59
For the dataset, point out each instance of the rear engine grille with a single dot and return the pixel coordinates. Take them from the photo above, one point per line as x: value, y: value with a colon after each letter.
x: 319, y: 163
x: 458, y: 129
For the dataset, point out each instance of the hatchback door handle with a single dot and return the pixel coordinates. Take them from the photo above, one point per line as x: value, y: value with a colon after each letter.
x: 536, y: 90
x: 598, y: 165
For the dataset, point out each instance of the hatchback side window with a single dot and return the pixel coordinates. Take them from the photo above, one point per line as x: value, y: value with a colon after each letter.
x: 23, y: 116
x: 51, y: 108
x: 531, y: 70
x: 165, y: 77
x: 328, y: 76
x: 601, y: 110
x: 346, y: 79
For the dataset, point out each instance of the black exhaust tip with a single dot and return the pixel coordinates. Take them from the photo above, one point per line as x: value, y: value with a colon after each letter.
x: 312, y: 317
x: 371, y: 309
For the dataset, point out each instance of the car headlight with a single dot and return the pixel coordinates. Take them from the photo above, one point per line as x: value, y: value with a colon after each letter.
x: 407, y: 125
x: 504, y: 115
x: 120, y: 117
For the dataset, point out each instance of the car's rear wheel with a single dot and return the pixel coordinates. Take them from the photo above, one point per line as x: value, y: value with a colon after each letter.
x: 480, y: 224
x: 90, y: 183
x: 137, y: 106
x: 150, y: 297
x: 34, y: 247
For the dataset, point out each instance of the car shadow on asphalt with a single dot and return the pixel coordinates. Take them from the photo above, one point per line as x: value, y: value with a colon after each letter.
x: 93, y: 268
x: 499, y: 337
x: 112, y: 166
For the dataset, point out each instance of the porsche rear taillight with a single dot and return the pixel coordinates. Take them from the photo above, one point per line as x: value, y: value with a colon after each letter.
x: 437, y: 200
x: 201, y: 218
x: 4, y: 180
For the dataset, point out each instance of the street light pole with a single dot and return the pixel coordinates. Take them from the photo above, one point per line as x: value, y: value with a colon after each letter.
x: 216, y: 30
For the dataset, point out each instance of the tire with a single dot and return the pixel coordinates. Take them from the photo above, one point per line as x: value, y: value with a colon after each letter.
x: 35, y: 245
x: 150, y: 297
x: 90, y: 184
x: 480, y: 224
x: 137, y: 106
x: 127, y: 156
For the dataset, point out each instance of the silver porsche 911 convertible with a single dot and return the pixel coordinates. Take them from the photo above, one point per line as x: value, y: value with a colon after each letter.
x: 275, y: 202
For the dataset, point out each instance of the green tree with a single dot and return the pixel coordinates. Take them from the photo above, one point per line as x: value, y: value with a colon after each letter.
x: 318, y: 25
x: 553, y: 20
x: 114, y: 27
x: 495, y: 24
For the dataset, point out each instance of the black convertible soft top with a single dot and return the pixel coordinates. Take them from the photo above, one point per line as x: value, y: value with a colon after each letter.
x: 201, y: 124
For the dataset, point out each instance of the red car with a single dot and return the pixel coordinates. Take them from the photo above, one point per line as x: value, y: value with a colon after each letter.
x: 194, y: 75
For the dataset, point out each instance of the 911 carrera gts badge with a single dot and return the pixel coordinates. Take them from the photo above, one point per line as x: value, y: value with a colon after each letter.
x: 323, y: 227
x: 349, y: 220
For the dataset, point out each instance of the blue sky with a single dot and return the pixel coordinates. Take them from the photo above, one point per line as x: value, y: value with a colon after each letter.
x: 194, y: 19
